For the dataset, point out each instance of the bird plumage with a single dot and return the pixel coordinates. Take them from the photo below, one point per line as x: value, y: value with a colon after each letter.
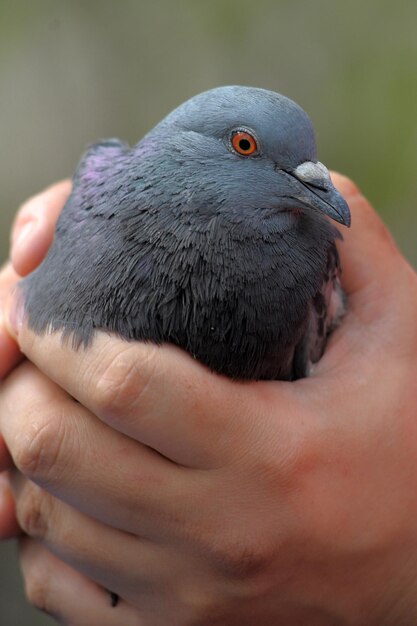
x: 182, y: 240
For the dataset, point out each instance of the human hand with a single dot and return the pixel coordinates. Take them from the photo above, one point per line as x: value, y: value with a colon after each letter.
x: 205, y: 501
x: 31, y: 236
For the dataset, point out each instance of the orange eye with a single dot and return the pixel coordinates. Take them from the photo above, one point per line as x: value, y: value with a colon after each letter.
x: 244, y: 143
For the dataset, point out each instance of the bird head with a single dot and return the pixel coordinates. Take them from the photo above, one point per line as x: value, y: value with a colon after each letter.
x: 247, y: 151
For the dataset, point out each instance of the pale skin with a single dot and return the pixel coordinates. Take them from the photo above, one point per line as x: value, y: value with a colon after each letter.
x: 202, y: 501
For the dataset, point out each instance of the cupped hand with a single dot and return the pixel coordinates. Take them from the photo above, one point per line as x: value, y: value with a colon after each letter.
x: 203, y: 501
x: 31, y: 236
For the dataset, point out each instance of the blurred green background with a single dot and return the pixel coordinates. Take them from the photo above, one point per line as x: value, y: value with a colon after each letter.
x: 76, y: 71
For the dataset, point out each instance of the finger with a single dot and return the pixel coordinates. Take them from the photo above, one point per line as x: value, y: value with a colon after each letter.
x: 58, y: 590
x: 9, y: 526
x: 369, y: 256
x: 382, y: 298
x: 128, y: 565
x: 31, y: 236
x: 159, y: 396
x: 10, y: 354
x: 59, y: 445
x: 34, y: 226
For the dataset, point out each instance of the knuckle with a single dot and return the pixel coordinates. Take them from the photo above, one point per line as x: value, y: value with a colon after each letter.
x: 282, y: 461
x: 38, y: 448
x: 240, y: 552
x: 204, y: 608
x: 37, y: 589
x: 240, y: 563
x: 124, y: 381
x: 33, y: 511
x: 242, y: 559
x: 302, y: 463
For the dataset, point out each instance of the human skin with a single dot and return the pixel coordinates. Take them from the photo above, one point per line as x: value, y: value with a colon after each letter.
x: 30, y: 238
x: 203, y: 501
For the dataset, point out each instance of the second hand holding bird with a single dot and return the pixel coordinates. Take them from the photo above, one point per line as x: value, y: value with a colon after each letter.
x: 217, y: 502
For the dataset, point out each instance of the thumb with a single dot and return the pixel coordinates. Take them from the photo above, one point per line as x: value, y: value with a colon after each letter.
x: 34, y: 225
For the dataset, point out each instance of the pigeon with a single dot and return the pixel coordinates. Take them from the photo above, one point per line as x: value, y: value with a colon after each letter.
x: 214, y: 233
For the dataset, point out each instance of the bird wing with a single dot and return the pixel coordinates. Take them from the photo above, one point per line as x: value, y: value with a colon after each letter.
x: 326, y: 311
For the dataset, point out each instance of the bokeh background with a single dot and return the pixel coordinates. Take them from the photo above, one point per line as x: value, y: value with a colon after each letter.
x: 72, y: 72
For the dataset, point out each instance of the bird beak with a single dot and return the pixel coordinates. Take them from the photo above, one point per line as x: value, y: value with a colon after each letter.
x: 317, y: 191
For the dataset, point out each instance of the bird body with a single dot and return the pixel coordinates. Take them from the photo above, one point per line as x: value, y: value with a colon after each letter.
x: 212, y: 233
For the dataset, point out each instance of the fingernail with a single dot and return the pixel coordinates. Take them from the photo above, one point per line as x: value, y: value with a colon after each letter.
x: 24, y: 234
x: 15, y: 312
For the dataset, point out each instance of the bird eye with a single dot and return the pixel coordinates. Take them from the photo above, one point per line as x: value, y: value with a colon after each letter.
x: 243, y: 142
